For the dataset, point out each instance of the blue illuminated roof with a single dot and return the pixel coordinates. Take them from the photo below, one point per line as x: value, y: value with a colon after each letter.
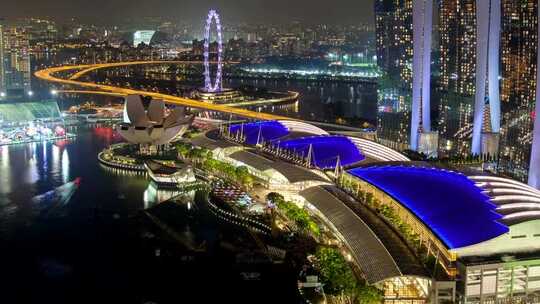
x: 269, y: 130
x: 449, y: 203
x: 326, y: 150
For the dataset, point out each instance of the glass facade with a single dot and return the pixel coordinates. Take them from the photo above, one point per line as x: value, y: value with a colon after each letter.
x: 394, y: 58
x: 15, y: 113
x: 15, y: 60
x: 504, y: 282
x: 457, y: 48
x: 518, y: 85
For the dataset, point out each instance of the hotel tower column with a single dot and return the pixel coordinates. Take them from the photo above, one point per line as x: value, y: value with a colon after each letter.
x: 422, y: 139
x: 534, y: 168
x: 488, y: 33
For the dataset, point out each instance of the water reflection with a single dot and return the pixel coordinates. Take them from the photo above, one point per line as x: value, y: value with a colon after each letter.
x: 65, y: 166
x: 322, y: 101
x: 5, y: 181
x: 55, y: 158
x: 28, y: 170
x: 102, y: 237
x: 154, y: 195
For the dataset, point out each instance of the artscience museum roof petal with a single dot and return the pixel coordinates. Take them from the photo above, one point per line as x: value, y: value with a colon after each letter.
x: 150, y: 126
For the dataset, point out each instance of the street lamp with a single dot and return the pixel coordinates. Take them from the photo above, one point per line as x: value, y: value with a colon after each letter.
x: 54, y: 92
x: 30, y: 93
x: 2, y: 94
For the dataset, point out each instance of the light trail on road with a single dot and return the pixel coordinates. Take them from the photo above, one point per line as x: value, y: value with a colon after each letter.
x: 100, y: 89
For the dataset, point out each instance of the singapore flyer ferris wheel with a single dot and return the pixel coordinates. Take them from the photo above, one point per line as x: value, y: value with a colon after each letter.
x: 216, y: 85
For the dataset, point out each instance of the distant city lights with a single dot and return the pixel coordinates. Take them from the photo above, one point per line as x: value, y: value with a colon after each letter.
x: 302, y: 72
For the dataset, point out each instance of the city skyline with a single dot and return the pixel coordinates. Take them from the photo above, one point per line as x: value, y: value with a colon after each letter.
x: 395, y: 161
x: 252, y: 11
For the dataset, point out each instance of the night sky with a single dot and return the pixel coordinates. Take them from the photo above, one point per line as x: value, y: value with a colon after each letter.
x: 260, y: 11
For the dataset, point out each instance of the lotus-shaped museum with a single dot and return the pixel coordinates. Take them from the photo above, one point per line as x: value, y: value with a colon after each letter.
x: 151, y: 125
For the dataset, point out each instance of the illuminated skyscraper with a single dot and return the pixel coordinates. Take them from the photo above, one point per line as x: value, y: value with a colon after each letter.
x: 15, y: 61
x: 457, y: 30
x: 2, y: 61
x: 457, y: 48
x: 394, y: 37
x: 518, y: 38
x: 518, y: 73
x: 41, y: 30
x: 394, y: 57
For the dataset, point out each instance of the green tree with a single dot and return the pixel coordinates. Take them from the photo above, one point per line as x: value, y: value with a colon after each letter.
x: 183, y: 149
x: 299, y: 216
x: 244, y: 177
x: 336, y: 274
x: 246, y: 180
x: 369, y: 295
x: 211, y: 164
x: 275, y: 197
x: 339, y: 280
x: 369, y: 198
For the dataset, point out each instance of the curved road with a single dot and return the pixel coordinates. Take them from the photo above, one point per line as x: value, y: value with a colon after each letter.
x: 99, y: 89
x: 50, y: 75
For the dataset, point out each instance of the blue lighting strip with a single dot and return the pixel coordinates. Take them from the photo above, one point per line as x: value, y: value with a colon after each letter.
x: 325, y: 150
x: 449, y: 203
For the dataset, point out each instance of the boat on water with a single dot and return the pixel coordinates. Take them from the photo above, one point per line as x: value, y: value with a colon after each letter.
x: 58, y: 197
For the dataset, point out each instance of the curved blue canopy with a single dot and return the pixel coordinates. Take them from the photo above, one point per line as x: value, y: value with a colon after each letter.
x: 449, y: 203
x: 325, y: 150
x: 262, y: 130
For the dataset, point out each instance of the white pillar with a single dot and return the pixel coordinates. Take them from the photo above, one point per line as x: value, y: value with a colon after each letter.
x: 488, y: 33
x: 534, y: 167
x: 493, y: 68
x: 422, y: 28
x: 426, y: 77
x: 482, y: 30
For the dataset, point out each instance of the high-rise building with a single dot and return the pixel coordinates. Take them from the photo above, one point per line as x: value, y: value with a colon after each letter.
x: 393, y: 20
x: 518, y: 39
x: 519, y: 36
x: 534, y: 167
x: 40, y: 30
x: 16, y: 74
x: 2, y: 61
x: 394, y: 57
x: 457, y: 81
x: 457, y: 48
x: 457, y: 30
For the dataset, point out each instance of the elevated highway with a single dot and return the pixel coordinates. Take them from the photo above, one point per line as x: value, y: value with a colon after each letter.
x: 49, y: 74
